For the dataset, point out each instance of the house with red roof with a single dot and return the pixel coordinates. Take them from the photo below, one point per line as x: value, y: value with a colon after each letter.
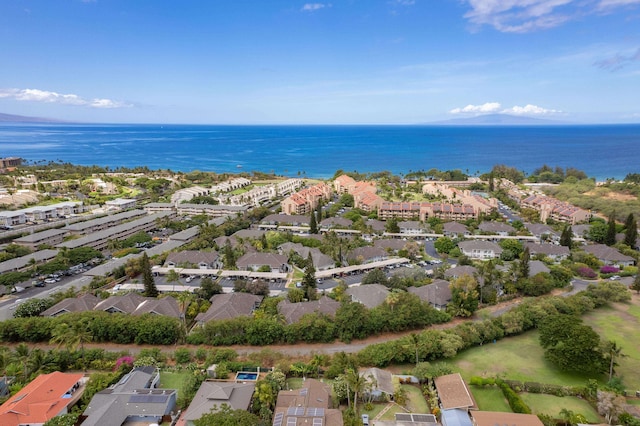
x: 47, y: 396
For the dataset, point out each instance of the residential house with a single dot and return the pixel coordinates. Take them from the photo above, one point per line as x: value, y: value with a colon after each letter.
x: 492, y: 418
x: 377, y: 226
x: 480, y: 250
x: 553, y: 251
x: 255, y: 261
x: 496, y: 228
x: 367, y: 254
x: 581, y: 231
x: 193, y: 259
x: 45, y: 397
x: 542, y: 232
x: 560, y: 211
x: 292, y: 312
x: 133, y: 400
x: 370, y: 295
x: 212, y: 395
x: 536, y: 267
x: 120, y: 204
x: 454, y: 393
x: 229, y: 305
x: 411, y: 227
x: 135, y: 304
x: 455, y: 230
x: 609, y: 255
x: 50, y: 237
x: 458, y: 271
x: 382, y: 381
x: 335, y: 222
x: 320, y: 260
x: 86, y: 302
x: 392, y: 245
x: 305, y: 200
x: 438, y: 293
x: 283, y: 219
x: 367, y: 201
x: 28, y: 262
x: 310, y: 405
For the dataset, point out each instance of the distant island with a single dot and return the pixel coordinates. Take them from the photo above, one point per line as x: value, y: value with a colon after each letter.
x: 499, y: 120
x: 11, y: 118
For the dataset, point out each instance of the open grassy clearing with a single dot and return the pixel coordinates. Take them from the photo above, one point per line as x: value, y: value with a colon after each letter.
x: 173, y: 379
x: 415, y: 400
x: 490, y: 399
x: 515, y: 358
x: 391, y: 414
x: 620, y: 324
x: 552, y: 405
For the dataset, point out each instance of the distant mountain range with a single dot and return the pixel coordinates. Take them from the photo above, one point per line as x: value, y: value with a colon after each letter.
x: 499, y: 119
x: 10, y: 118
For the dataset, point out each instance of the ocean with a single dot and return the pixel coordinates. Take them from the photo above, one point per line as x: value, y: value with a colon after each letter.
x: 602, y: 151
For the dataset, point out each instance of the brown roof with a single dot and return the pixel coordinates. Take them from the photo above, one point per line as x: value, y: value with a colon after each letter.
x: 491, y: 418
x: 436, y: 293
x: 292, y: 312
x: 83, y: 303
x: 453, y: 392
x: 298, y: 407
x: 167, y: 306
x: 230, y: 305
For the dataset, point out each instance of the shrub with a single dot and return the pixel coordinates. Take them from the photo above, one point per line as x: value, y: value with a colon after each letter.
x: 586, y: 272
x: 608, y: 269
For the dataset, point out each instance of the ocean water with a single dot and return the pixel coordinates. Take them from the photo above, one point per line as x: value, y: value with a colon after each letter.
x: 603, y: 151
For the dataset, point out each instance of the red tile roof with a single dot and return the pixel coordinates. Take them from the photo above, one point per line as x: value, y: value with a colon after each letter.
x: 44, y: 398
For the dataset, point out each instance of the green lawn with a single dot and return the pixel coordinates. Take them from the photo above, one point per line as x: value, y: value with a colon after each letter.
x: 490, y: 399
x: 415, y: 400
x: 173, y: 379
x: 515, y: 358
x: 391, y: 414
x: 551, y: 405
x: 620, y: 324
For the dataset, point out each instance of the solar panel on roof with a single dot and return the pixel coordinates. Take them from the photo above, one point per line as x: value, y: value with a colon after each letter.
x: 403, y: 417
x: 303, y: 391
x: 317, y: 421
x: 295, y: 411
x: 277, y: 419
x: 148, y: 399
x: 291, y: 421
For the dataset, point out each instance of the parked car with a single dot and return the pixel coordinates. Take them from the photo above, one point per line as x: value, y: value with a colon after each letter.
x: 365, y: 420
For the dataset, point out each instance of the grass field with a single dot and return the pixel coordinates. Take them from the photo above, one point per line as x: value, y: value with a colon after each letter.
x: 415, y: 400
x: 173, y: 380
x: 620, y: 324
x: 490, y: 399
x: 516, y: 358
x: 551, y: 405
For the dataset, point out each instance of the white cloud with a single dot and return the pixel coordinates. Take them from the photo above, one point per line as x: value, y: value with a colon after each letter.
x: 312, y: 7
x: 37, y: 95
x: 520, y: 16
x: 496, y: 107
x: 485, y: 108
x: 529, y: 110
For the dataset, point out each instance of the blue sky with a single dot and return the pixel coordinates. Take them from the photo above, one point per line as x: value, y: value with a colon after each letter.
x: 319, y: 62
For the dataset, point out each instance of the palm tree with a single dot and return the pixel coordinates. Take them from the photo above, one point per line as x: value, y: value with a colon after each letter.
x: 615, y: 351
x: 72, y: 336
x: 355, y: 384
x: 21, y: 356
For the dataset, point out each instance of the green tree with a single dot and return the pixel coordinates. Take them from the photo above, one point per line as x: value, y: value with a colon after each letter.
x: 444, y: 245
x: 614, y: 352
x: 226, y: 416
x: 313, y: 224
x: 72, y: 336
x: 631, y: 231
x: 464, y: 296
x: 523, y: 267
x: 376, y: 276
x: 571, y: 345
x: 636, y: 283
x: 597, y: 231
x: 610, y: 237
x: 228, y: 256
x: 208, y: 288
x: 150, y: 289
x: 32, y: 307
x: 309, y: 283
x: 566, y: 237
x: 392, y: 226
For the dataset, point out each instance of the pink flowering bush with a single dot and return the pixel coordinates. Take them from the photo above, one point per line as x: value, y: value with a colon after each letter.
x: 124, y: 360
x: 608, y: 269
x: 586, y: 272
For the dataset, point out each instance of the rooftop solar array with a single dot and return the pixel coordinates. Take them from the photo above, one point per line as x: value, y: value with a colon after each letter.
x: 295, y: 411
x: 317, y: 421
x: 420, y: 418
x: 313, y: 412
x: 277, y: 419
x: 148, y: 399
x: 291, y: 421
